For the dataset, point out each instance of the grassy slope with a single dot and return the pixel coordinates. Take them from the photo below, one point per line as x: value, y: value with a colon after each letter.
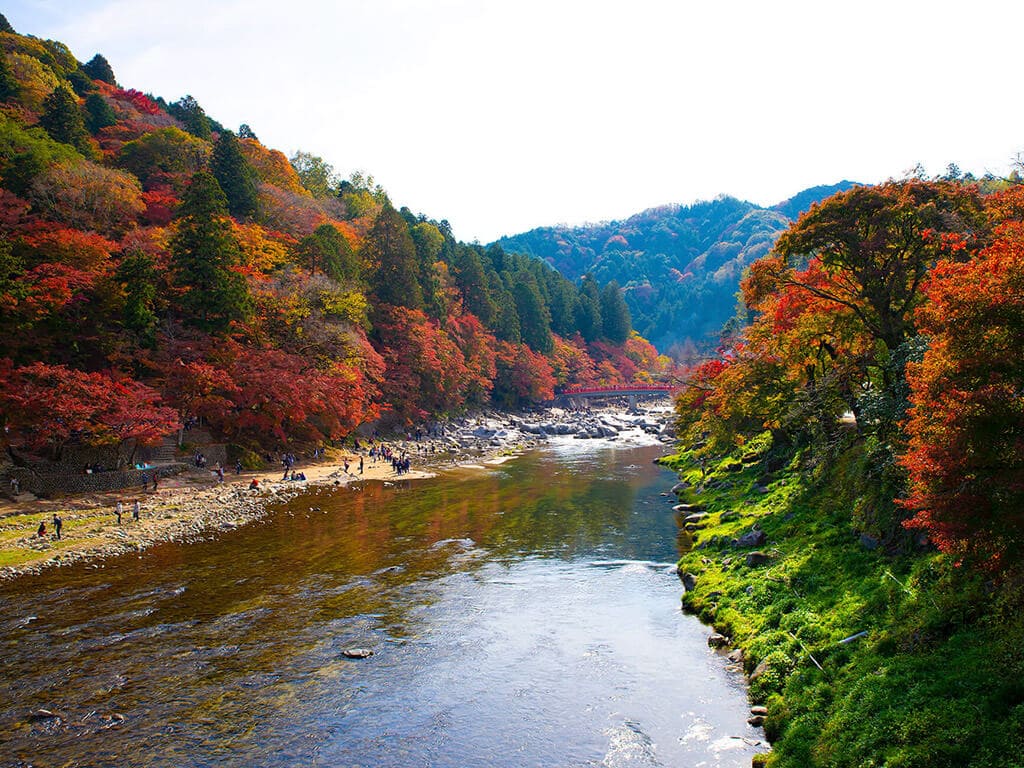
x: 937, y: 681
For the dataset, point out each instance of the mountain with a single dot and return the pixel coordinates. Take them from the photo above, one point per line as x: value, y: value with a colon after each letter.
x: 680, y: 265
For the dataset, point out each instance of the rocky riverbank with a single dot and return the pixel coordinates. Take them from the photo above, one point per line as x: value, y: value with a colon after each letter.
x: 195, y: 505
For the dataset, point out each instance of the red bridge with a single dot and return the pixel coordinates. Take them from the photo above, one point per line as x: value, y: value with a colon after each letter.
x: 621, y: 390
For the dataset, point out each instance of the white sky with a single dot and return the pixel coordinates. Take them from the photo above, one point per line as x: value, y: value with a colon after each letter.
x: 503, y: 116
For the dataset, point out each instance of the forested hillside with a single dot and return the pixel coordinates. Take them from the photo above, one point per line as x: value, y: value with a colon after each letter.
x: 157, y: 267
x: 680, y: 266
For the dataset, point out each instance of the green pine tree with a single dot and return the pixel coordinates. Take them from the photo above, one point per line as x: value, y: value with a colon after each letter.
x: 390, y: 256
x: 534, y: 318
x: 98, y: 113
x: 204, y: 252
x: 137, y: 273
x: 192, y: 116
x: 588, y: 310
x: 615, y: 320
x: 9, y: 86
x: 98, y: 68
x: 506, y: 320
x: 328, y: 250
x: 235, y: 176
x: 62, y: 119
x: 472, y: 282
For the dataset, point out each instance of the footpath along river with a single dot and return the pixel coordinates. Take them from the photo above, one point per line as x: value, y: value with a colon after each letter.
x: 525, y: 615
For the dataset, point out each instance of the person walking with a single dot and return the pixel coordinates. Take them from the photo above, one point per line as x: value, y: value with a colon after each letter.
x: 135, y: 510
x: 58, y: 523
x: 118, y: 510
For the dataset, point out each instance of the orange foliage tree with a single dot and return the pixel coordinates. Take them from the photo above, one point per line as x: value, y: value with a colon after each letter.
x: 46, y: 406
x: 965, y: 456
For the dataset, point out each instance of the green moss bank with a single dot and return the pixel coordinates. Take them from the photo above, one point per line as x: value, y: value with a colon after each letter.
x: 864, y: 654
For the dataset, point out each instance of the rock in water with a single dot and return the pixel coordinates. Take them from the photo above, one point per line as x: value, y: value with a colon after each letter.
x: 357, y: 653
x: 45, y: 714
x: 717, y: 640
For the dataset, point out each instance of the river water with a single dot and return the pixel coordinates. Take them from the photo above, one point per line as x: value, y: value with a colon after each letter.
x: 525, y: 615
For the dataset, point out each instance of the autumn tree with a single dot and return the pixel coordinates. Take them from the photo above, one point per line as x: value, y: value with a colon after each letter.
x: 166, y: 151
x: 204, y: 255
x: 234, y: 174
x: 88, y: 196
x: 46, y: 406
x: 315, y: 173
x: 878, y: 243
x: 522, y: 377
x: 965, y: 455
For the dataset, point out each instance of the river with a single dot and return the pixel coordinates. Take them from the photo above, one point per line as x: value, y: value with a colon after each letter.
x: 524, y: 615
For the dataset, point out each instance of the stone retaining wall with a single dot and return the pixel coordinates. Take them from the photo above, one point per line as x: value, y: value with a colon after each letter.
x: 49, y: 484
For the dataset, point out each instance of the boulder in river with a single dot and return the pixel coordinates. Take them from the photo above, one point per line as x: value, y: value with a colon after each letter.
x: 717, y: 640
x: 357, y: 653
x: 689, y: 581
x: 688, y: 508
x: 45, y: 714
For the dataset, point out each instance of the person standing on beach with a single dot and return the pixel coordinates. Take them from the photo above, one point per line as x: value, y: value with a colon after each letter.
x: 360, y: 465
x: 118, y: 510
x: 58, y: 523
x: 135, y: 510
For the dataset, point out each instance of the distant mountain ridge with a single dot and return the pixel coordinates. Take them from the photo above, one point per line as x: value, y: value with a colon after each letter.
x: 679, y: 266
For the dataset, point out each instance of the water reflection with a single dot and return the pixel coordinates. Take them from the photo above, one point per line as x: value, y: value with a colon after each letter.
x: 524, y: 616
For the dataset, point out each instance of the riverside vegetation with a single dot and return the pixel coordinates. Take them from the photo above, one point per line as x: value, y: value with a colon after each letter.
x: 852, y: 477
x: 932, y: 674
